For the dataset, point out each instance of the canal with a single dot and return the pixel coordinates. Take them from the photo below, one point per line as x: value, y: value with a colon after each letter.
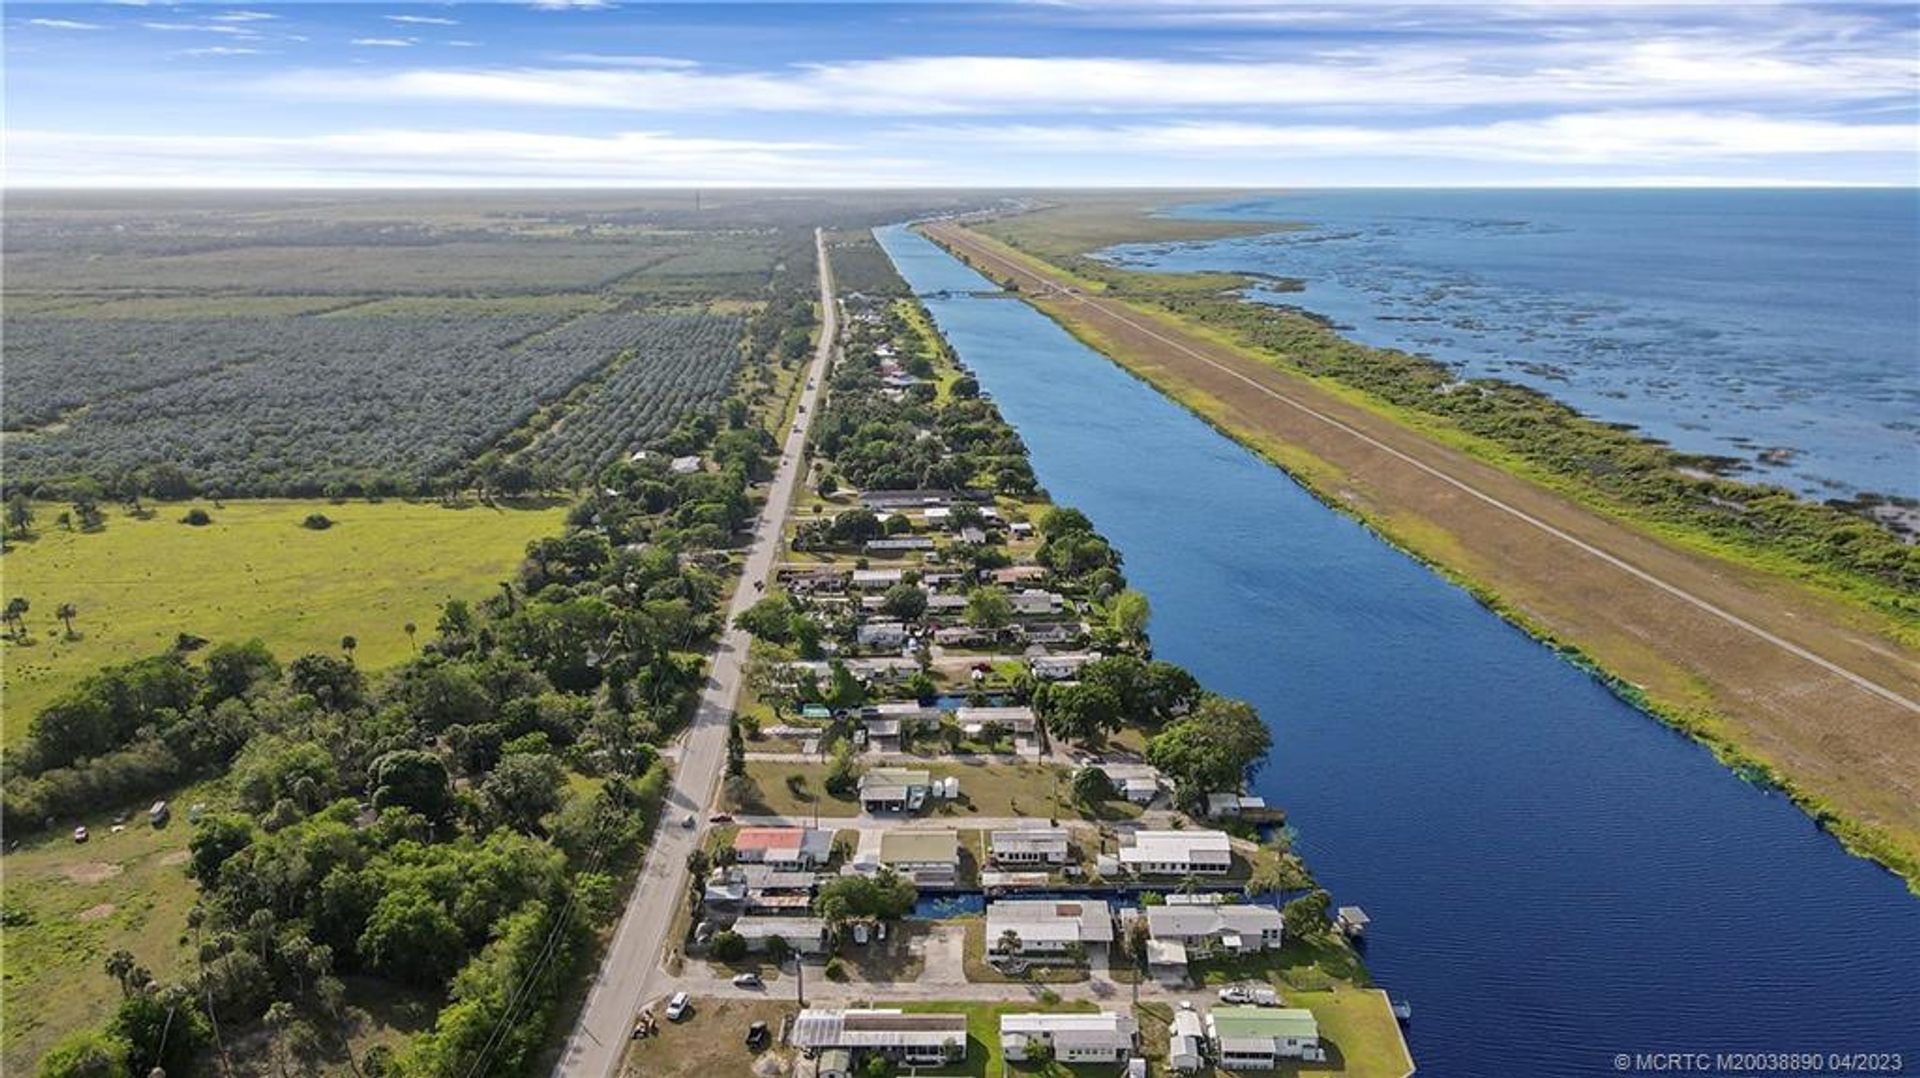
x: 1554, y: 877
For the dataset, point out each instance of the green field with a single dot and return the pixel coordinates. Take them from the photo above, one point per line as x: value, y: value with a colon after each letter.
x: 254, y: 571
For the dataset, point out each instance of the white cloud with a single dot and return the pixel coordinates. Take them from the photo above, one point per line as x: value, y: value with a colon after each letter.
x: 602, y: 59
x: 1659, y: 137
x: 1663, y: 71
x: 435, y: 158
x: 423, y: 20
x: 384, y: 42
x: 63, y: 24
x: 222, y: 50
x: 570, y: 5
x: 200, y: 28
x: 242, y: 16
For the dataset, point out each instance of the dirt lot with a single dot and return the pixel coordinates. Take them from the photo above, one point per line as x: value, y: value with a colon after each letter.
x: 1756, y: 661
x: 713, y: 1042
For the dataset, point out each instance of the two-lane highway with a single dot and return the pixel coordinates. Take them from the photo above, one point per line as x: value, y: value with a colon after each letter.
x: 599, y: 1038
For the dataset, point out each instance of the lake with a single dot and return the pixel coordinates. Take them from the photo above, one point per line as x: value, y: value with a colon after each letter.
x: 1723, y: 322
x: 1554, y: 877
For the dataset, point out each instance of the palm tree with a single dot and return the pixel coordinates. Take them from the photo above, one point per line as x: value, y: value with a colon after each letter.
x: 17, y: 608
x: 410, y: 629
x: 120, y: 967
x: 1009, y: 942
x: 66, y: 612
x: 347, y: 644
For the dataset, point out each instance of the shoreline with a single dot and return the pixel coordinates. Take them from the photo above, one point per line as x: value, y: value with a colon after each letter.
x: 1702, y: 720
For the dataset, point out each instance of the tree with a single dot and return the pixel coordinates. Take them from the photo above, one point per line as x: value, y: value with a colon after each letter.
x: 196, y: 517
x: 1092, y: 788
x: 318, y: 522
x: 234, y: 669
x: 16, y: 613
x: 20, y: 515
x: 120, y: 966
x: 88, y: 1053
x: 736, y: 750
x: 334, y: 684
x: 729, y: 946
x: 1008, y: 943
x: 886, y: 895
x: 1216, y: 747
x: 216, y: 839
x: 770, y: 619
x: 411, y: 938
x: 843, y: 772
x: 1306, y: 916
x: 1085, y: 712
x: 904, y: 601
x: 162, y: 1029
x: 410, y: 629
x: 412, y: 780
x: 1127, y: 616
x: 347, y: 644
x: 989, y: 608
x: 524, y: 788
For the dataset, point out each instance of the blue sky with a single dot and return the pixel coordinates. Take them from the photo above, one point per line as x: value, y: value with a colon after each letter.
x: 1254, y: 94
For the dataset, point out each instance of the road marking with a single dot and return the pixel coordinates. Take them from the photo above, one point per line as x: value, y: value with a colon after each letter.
x: 1857, y: 680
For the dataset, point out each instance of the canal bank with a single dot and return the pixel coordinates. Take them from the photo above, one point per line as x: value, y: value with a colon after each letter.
x: 1552, y: 877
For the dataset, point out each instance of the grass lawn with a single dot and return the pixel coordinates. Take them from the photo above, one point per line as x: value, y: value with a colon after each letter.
x: 81, y: 903
x: 1319, y: 963
x: 986, y: 789
x: 255, y: 571
x: 711, y: 1042
x: 1357, y: 1029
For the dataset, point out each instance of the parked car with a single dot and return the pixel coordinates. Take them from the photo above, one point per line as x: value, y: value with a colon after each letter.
x: 720, y: 817
x: 679, y: 1006
x: 690, y: 821
x: 79, y: 834
x: 758, y: 1036
x: 747, y: 980
x: 1235, y: 993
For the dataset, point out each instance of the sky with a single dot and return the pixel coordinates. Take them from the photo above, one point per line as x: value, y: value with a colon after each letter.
x: 601, y: 93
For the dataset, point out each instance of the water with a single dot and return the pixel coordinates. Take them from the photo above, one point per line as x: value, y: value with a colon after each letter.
x: 1553, y: 876
x: 1723, y: 322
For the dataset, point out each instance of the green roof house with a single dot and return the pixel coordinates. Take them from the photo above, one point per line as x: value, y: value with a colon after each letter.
x: 1258, y: 1038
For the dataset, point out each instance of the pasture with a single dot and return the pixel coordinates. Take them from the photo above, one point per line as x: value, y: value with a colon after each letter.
x: 254, y: 571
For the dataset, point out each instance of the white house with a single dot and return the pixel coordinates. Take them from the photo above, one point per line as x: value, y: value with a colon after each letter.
x: 1060, y: 667
x: 1047, y: 926
x: 895, y: 544
x: 895, y: 789
x: 1019, y: 721
x: 1138, y: 783
x: 1035, y: 602
x: 1176, y: 853
x: 1028, y: 846
x: 1186, y: 1042
x: 1258, y: 1038
x: 804, y: 935
x: 684, y: 465
x: 880, y: 634
x: 1227, y: 805
x: 1236, y: 929
x: 924, y: 1039
x: 1085, y: 1037
x: 876, y: 579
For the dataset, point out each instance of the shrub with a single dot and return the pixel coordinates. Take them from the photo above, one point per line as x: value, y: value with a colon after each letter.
x: 197, y: 517
x: 317, y: 522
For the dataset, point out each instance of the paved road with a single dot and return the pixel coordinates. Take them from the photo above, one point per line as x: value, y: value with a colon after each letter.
x: 599, y: 1038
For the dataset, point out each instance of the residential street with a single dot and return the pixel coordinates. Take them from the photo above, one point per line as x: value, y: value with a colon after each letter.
x: 599, y: 1038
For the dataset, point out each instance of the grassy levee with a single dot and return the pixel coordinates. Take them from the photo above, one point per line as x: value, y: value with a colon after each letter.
x: 1842, y: 752
x: 255, y: 571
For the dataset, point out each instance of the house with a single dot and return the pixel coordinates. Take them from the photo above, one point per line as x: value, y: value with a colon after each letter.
x: 1083, y: 1037
x: 1021, y: 529
x: 1186, y: 1042
x: 907, y: 499
x: 1060, y: 667
x: 928, y: 858
x: 1048, y: 926
x: 1051, y: 632
x: 1138, y: 783
x: 804, y: 935
x: 1235, y: 928
x: 1035, y: 603
x: 1226, y: 805
x: 923, y: 1039
x: 961, y: 636
x: 790, y: 848
x: 1176, y: 853
x: 883, y: 668
x: 898, y: 544
x: 1014, y: 720
x: 1028, y: 846
x: 946, y: 604
x: 684, y: 465
x: 973, y: 536
x: 880, y: 634
x: 895, y: 789
x: 875, y: 579
x: 1258, y: 1038
x: 1019, y: 574
x: 1166, y: 962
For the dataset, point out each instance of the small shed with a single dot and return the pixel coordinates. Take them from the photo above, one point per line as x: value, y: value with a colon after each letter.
x: 1352, y: 920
